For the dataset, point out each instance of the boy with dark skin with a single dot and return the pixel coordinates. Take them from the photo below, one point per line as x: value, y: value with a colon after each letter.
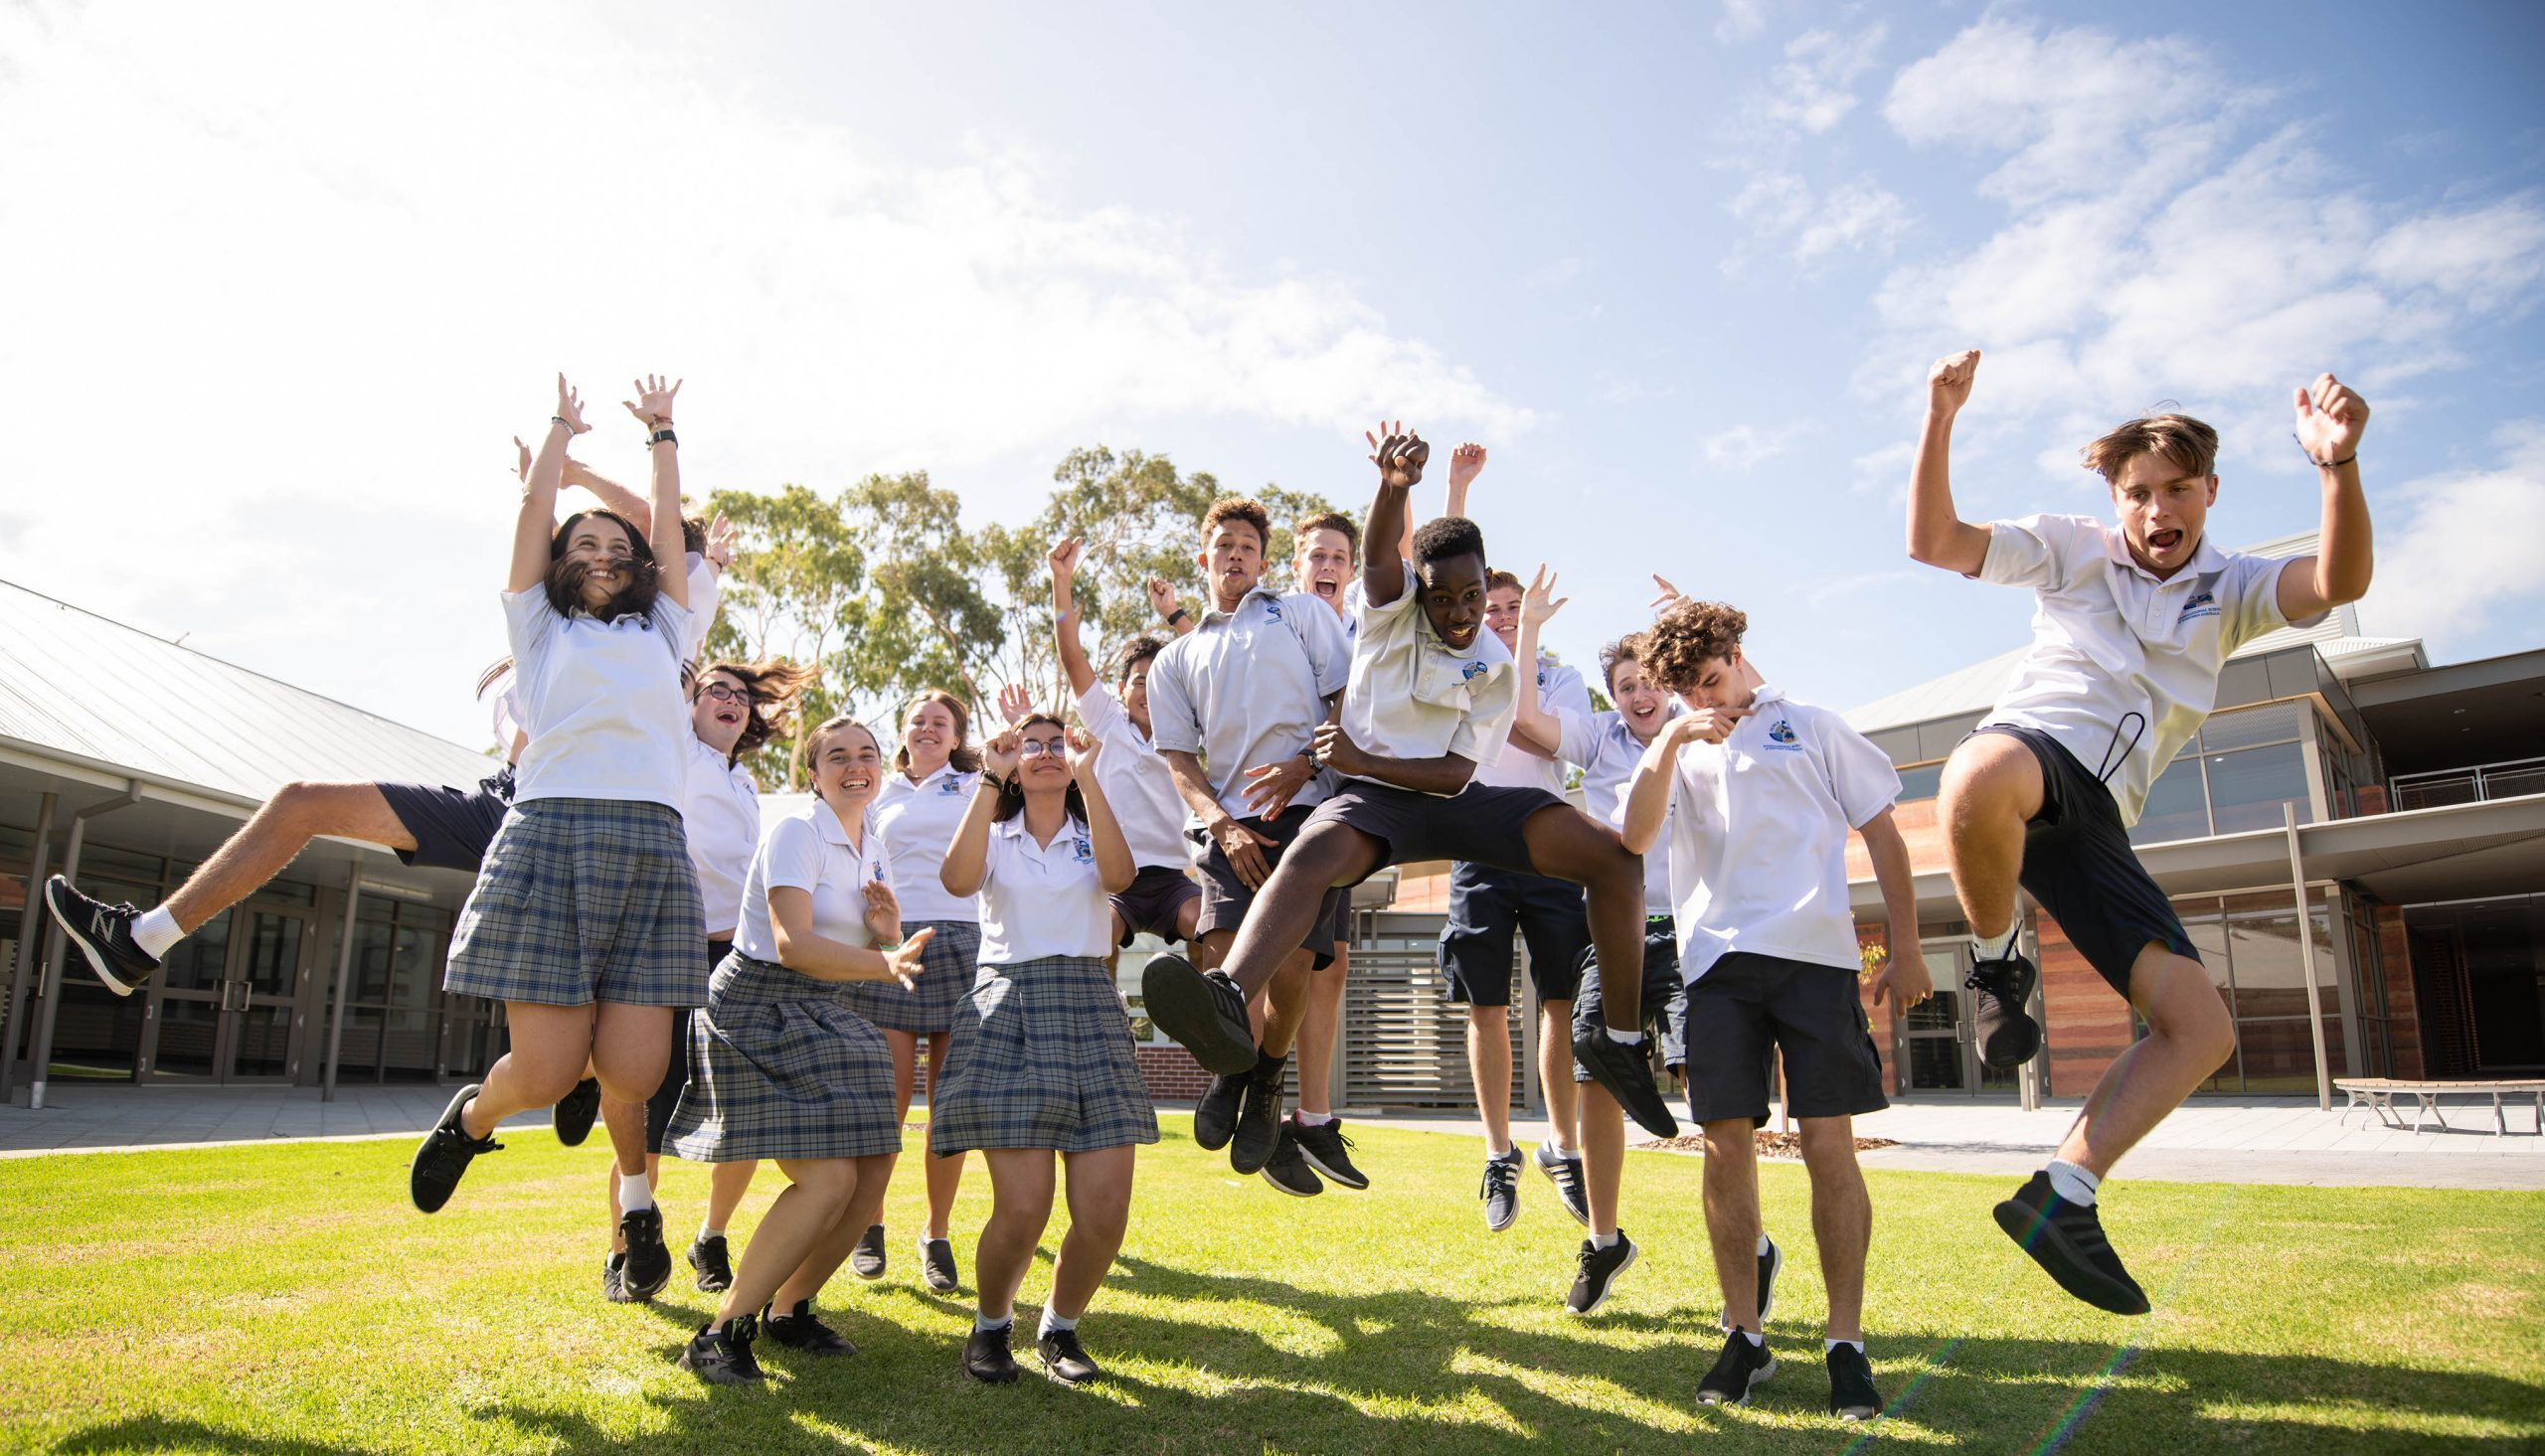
x: 1429, y: 685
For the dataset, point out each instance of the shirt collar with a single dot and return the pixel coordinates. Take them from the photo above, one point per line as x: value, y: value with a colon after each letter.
x: 826, y: 820
x: 1766, y: 695
x: 1214, y: 615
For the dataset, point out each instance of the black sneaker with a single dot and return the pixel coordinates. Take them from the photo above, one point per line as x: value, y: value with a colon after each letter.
x: 1501, y: 1191
x: 1566, y: 1174
x: 1215, y: 1116
x: 613, y: 1279
x: 987, y: 1357
x: 2067, y: 1240
x: 2008, y: 1036
x: 103, y: 933
x: 574, y: 1113
x: 1737, y: 1372
x: 866, y: 1260
x: 798, y: 1330
x: 650, y: 1262
x: 937, y: 1264
x: 444, y: 1155
x: 1851, y: 1392
x: 1771, y: 1264
x: 1259, y: 1122
x: 1205, y: 1014
x: 1620, y: 1067
x: 1287, y: 1168
x: 714, y: 1263
x: 1598, y: 1269
x: 1065, y: 1360
x: 724, y: 1358
x: 1328, y: 1150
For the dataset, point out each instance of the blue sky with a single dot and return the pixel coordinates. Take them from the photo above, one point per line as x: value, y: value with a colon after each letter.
x: 277, y: 293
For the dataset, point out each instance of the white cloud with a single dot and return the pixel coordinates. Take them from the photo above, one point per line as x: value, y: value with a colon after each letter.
x: 2488, y: 255
x: 1812, y: 90
x: 1809, y: 225
x: 1741, y: 20
x: 1743, y: 446
x: 2469, y: 549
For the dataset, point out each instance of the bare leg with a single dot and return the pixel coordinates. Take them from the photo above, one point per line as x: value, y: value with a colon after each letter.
x: 1555, y: 1074
x: 728, y: 1182
x: 817, y: 1191
x: 274, y: 835
x: 1732, y: 1218
x: 1992, y: 786
x: 1489, y: 1069
x: 1319, y: 1026
x: 632, y: 1047
x: 1841, y: 1219
x: 1603, y: 1155
x: 1327, y: 855
x: 1100, y: 1194
x: 905, y: 1050
x: 2189, y: 1035
x: 1285, y: 1003
x: 1570, y: 845
x: 945, y: 1175
x: 833, y: 1247
x: 1021, y: 1182
x: 551, y: 1045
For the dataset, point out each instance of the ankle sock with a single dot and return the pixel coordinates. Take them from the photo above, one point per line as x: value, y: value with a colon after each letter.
x: 1827, y: 1346
x: 1053, y: 1324
x: 705, y: 1233
x: 1315, y: 1119
x: 1625, y: 1039
x: 156, y: 932
x: 984, y: 1322
x: 635, y: 1194
x: 1605, y: 1241
x: 2072, y: 1182
x: 1993, y: 947
x: 1754, y: 1336
x: 1764, y: 1245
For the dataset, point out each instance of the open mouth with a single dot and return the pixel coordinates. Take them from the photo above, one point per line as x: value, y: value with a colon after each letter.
x: 2163, y: 541
x: 1327, y: 589
x: 727, y: 716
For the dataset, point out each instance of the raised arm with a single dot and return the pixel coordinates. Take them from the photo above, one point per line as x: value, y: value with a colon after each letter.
x: 1532, y: 727
x: 2330, y: 420
x: 1938, y: 537
x: 1170, y: 612
x: 1400, y: 457
x: 802, y: 950
x: 536, y: 525
x: 1906, y: 978
x: 967, y: 858
x: 1064, y: 564
x: 652, y: 407
x: 1114, y: 863
x: 1466, y: 462
x: 638, y: 510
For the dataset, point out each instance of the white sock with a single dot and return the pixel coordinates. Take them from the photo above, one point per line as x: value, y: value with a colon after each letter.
x: 635, y: 1194
x: 705, y: 1233
x: 1493, y: 1154
x: 1568, y: 1155
x: 1315, y: 1119
x: 1828, y: 1345
x: 1605, y: 1241
x: 984, y: 1322
x: 1764, y: 1245
x: 1993, y: 947
x: 1755, y: 1337
x: 155, y: 931
x: 2073, y: 1183
x: 1625, y: 1039
x: 1053, y: 1324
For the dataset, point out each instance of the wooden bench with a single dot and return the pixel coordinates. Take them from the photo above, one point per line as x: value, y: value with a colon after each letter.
x: 2378, y: 1094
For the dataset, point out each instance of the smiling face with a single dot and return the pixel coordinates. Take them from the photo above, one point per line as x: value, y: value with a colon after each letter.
x: 1502, y: 615
x: 1232, y: 561
x: 1043, y: 757
x: 1322, y: 566
x: 1641, y: 700
x: 720, y: 709
x: 1134, y: 690
x: 928, y: 736
x: 2162, y: 510
x: 1453, y: 594
x: 847, y: 765
x: 598, y: 563
x: 1721, y: 681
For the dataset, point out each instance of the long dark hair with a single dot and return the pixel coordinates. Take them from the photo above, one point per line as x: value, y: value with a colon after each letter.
x: 964, y: 758
x: 1012, y: 794
x: 566, y: 577
x: 774, y: 685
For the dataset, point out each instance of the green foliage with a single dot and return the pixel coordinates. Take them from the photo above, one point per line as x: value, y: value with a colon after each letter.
x: 799, y: 567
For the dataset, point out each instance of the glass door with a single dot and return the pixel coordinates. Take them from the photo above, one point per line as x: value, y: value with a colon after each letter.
x: 225, y: 1006
x: 1934, y: 1052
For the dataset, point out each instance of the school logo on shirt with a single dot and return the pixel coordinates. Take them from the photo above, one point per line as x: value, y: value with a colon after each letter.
x: 1272, y: 609
x: 1542, y: 679
x: 1472, y: 672
x: 2200, y: 604
x: 950, y: 787
x: 1781, y: 735
x: 1081, y: 850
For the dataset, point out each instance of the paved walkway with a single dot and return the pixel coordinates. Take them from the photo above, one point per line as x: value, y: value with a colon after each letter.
x: 2256, y: 1140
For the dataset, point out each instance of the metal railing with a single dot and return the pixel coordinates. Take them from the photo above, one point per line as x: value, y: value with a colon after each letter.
x: 2508, y: 780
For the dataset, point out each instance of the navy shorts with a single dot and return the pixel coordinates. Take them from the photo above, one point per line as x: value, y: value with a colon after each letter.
x: 1486, y: 907
x: 2079, y: 865
x: 1157, y: 895
x: 1225, y: 897
x: 451, y: 827
x: 1665, y: 996
x: 1748, y: 1007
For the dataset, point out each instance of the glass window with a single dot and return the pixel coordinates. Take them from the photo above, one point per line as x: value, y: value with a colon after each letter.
x: 2271, y: 978
x: 2246, y: 788
x: 1919, y: 782
x: 2275, y: 723
x: 2177, y: 807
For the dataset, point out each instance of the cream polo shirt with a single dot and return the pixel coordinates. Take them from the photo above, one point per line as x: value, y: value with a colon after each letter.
x: 1560, y: 692
x: 1042, y: 900
x: 1137, y: 783
x: 1607, y: 751
x: 503, y: 695
x: 917, y: 822
x: 1758, y: 837
x: 1249, y: 687
x: 1411, y: 696
x: 809, y: 851
x: 2123, y: 667
x: 721, y: 817
x: 601, y: 701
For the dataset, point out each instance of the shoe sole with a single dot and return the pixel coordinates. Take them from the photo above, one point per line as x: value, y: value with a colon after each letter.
x: 1296, y: 1193
x: 558, y: 1123
x: 1580, y: 1215
x: 721, y: 1378
x: 1641, y: 1101
x: 1181, y: 1003
x: 450, y: 1115
x: 87, y: 949
x: 1768, y: 1287
x: 1997, y: 1059
x: 2033, y: 1233
x: 1351, y: 1178
x: 1757, y: 1377
x: 1633, y: 1252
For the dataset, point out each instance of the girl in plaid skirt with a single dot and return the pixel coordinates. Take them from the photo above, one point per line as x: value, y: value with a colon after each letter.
x: 1042, y: 1060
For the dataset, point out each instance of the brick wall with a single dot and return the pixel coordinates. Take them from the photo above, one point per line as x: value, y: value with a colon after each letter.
x: 2085, y: 1025
x: 1172, y: 1074
x: 2403, y: 1009
x: 1868, y: 937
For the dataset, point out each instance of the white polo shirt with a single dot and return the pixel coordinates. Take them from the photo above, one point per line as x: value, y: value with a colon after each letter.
x: 1137, y: 783
x: 917, y: 822
x: 703, y: 590
x: 2123, y: 667
x: 722, y: 820
x: 1758, y: 838
x: 1042, y: 900
x: 1607, y: 751
x: 601, y: 701
x: 1560, y: 692
x: 809, y: 851
x: 1249, y: 687
x: 1413, y: 697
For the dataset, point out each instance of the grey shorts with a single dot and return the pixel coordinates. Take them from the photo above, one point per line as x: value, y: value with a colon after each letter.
x: 1665, y: 996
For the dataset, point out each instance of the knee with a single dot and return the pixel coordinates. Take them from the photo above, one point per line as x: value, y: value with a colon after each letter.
x: 1729, y: 1138
x: 1986, y: 777
x: 831, y: 1182
x: 2190, y: 1013
x: 300, y: 802
x: 1828, y: 1143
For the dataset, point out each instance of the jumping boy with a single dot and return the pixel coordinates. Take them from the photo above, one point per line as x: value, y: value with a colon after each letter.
x: 2131, y: 627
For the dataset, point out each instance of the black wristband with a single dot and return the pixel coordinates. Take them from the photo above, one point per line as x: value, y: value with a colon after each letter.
x: 2337, y: 464
x: 663, y: 436
x: 1175, y: 616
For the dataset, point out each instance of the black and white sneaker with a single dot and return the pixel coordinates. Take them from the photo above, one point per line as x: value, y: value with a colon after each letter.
x: 1215, y: 1116
x: 103, y: 933
x: 2008, y: 1036
x: 1065, y: 1360
x: 1771, y: 1264
x: 1328, y: 1150
x: 1852, y: 1396
x: 987, y: 1357
x: 650, y: 1260
x: 1501, y: 1191
x: 1204, y: 1013
x: 1619, y: 1067
x: 1287, y: 1170
x: 1598, y: 1269
x: 714, y: 1263
x: 1566, y: 1174
x: 2067, y: 1240
x: 798, y: 1330
x: 1737, y: 1372
x: 866, y: 1260
x: 614, y: 1279
x: 724, y: 1357
x: 937, y: 1264
x: 444, y: 1155
x: 574, y: 1113
x: 1259, y: 1122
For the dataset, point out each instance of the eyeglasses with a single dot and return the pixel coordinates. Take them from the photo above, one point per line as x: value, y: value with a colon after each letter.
x: 723, y: 694
x: 1040, y: 747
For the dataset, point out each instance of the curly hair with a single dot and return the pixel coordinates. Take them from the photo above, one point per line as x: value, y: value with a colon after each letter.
x: 1687, y: 637
x: 1131, y: 654
x: 1239, y: 507
x: 2178, y: 439
x: 564, y: 580
x: 1444, y: 536
x: 775, y: 686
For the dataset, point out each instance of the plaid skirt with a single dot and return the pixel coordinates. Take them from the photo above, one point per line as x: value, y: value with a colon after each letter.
x: 778, y: 1068
x: 1041, y: 1058
x: 582, y: 901
x: 945, y: 970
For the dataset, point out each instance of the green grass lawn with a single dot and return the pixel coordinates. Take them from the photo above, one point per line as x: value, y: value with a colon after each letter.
x: 287, y: 1299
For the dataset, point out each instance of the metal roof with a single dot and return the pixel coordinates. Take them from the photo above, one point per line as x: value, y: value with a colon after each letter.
x: 77, y: 685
